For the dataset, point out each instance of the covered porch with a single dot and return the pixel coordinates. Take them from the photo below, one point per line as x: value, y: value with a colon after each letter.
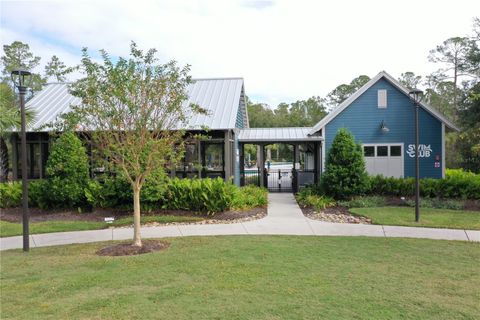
x: 299, y: 163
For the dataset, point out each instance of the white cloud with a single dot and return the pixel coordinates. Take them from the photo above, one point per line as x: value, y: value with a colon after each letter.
x: 285, y: 50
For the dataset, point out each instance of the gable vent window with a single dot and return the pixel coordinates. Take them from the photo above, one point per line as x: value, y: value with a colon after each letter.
x: 382, y: 98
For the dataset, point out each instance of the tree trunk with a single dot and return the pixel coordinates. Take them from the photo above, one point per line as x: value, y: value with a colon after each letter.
x: 137, y: 240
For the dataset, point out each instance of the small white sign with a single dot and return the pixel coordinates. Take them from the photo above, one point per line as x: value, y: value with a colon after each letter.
x: 424, y: 151
x: 109, y: 219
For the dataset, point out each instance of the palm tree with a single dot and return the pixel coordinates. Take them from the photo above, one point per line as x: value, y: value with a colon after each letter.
x: 9, y: 120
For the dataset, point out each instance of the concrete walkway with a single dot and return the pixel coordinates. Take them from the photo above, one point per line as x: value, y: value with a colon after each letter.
x: 284, y: 218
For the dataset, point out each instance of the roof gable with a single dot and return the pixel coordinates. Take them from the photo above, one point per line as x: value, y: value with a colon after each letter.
x: 382, y: 75
x: 221, y: 97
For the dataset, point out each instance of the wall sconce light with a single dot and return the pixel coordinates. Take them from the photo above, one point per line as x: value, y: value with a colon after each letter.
x: 384, y: 127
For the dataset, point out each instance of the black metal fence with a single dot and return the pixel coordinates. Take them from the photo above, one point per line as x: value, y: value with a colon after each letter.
x: 279, y: 180
x: 250, y: 176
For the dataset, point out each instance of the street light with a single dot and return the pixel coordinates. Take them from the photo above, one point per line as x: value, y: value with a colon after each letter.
x: 416, y: 97
x: 22, y: 80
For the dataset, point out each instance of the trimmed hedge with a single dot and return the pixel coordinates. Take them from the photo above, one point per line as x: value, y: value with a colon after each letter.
x: 457, y: 184
x: 197, y: 195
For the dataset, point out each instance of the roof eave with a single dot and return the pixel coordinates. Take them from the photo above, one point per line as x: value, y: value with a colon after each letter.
x: 365, y: 87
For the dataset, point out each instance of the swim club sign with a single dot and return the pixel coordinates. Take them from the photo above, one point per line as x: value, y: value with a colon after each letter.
x: 424, y: 151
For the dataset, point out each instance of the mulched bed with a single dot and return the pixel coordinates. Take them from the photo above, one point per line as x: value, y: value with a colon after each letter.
x: 127, y: 249
x: 98, y: 215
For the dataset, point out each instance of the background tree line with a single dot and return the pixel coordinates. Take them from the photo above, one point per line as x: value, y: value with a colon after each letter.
x: 453, y: 89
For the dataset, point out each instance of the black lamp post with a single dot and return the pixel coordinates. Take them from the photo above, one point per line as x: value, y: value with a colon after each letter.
x: 416, y: 96
x: 22, y: 80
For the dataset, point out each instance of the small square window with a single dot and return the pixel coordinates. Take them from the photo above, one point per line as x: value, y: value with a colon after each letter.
x: 395, y: 151
x: 369, y: 151
x: 382, y: 151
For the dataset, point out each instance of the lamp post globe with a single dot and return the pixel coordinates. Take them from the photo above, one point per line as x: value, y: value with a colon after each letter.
x: 22, y: 80
x: 416, y: 96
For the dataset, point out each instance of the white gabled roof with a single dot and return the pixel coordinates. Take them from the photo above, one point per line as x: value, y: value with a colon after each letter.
x: 277, y: 135
x: 367, y: 86
x: 221, y: 97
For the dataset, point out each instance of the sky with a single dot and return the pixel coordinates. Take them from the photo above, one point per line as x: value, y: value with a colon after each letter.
x: 285, y: 50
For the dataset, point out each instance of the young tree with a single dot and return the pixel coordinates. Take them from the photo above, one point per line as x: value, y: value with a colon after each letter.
x: 133, y: 109
x: 57, y: 70
x: 18, y: 56
x: 345, y: 174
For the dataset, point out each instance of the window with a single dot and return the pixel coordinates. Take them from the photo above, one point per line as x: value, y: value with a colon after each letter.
x: 37, y: 154
x: 382, y: 151
x: 395, y: 151
x: 382, y: 98
x: 369, y: 151
x: 214, y: 157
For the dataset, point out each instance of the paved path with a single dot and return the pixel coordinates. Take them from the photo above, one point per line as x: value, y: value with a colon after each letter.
x: 284, y: 218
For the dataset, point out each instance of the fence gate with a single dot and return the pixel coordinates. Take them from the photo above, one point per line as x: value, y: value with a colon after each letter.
x: 279, y: 180
x: 250, y: 176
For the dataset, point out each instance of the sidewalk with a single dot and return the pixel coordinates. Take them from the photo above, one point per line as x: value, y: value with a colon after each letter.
x: 284, y: 218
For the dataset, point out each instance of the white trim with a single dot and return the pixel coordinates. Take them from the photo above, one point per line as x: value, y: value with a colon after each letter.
x: 443, y: 151
x: 367, y: 86
x: 388, y: 144
x: 324, y: 147
x: 382, y: 98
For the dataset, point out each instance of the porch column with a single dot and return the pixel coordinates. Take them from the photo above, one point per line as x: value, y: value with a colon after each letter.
x: 242, y: 163
x: 296, y: 160
x: 318, y: 161
x: 261, y: 163
x: 228, y: 155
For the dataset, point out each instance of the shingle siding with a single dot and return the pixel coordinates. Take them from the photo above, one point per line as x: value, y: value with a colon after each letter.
x: 363, y: 118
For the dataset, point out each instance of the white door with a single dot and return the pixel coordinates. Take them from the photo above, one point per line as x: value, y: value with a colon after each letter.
x: 384, y: 159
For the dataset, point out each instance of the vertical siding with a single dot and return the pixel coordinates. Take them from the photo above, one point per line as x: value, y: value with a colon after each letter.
x: 239, y: 121
x: 363, y: 118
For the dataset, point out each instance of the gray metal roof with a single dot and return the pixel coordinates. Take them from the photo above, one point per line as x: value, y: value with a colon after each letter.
x: 277, y: 135
x: 220, y: 97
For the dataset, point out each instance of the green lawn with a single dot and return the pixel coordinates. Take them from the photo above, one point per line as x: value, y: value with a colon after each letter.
x: 8, y: 229
x: 248, y: 277
x: 437, y: 218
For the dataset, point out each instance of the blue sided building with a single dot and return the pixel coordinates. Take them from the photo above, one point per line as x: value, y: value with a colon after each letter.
x: 381, y: 116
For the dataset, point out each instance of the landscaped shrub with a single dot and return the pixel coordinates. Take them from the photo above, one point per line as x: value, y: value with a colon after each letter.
x: 199, y: 195
x: 249, y: 197
x: 308, y: 197
x: 116, y: 192
x: 38, y: 194
x: 67, y: 172
x: 345, y: 174
x: 364, y: 202
x: 455, y: 185
x: 10, y: 194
